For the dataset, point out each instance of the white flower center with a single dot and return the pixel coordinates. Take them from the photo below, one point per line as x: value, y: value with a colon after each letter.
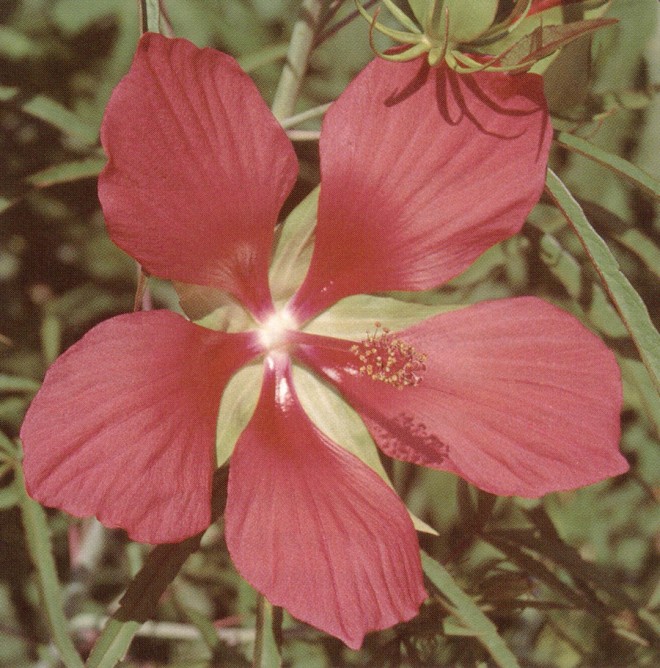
x: 273, y: 332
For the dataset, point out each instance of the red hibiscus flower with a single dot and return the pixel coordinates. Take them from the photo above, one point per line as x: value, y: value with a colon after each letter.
x: 422, y: 170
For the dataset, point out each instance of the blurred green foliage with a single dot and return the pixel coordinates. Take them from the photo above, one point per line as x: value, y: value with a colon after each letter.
x: 568, y: 580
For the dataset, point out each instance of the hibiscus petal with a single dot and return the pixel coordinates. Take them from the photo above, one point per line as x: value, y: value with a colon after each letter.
x: 518, y: 398
x: 313, y: 528
x: 422, y: 171
x: 124, y: 425
x: 198, y: 168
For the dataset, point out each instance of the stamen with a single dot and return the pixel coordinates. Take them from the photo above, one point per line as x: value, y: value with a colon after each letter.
x: 384, y: 357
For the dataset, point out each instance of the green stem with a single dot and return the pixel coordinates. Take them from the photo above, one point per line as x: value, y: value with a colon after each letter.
x: 300, y: 48
x: 259, y: 637
x: 266, y: 652
x: 303, y: 116
x: 37, y: 533
x: 149, y: 16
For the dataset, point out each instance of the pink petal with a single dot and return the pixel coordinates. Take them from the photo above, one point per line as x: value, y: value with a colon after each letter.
x: 518, y: 398
x: 422, y: 171
x: 198, y: 168
x: 124, y: 425
x: 313, y: 528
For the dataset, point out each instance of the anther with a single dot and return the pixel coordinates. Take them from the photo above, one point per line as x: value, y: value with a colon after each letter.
x: 388, y: 359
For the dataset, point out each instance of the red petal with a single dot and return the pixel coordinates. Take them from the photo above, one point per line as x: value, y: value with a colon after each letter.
x: 422, y: 171
x: 542, y: 5
x: 313, y: 528
x: 124, y: 425
x: 518, y: 398
x: 198, y: 168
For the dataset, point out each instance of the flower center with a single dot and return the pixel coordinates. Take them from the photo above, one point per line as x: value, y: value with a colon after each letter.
x: 388, y: 359
x: 273, y: 333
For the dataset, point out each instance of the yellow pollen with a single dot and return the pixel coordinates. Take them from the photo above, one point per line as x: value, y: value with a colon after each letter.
x: 384, y: 357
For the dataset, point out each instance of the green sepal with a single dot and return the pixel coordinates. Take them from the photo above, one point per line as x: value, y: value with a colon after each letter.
x: 468, y: 19
x: 401, y: 17
x: 397, y: 35
x: 236, y: 408
x: 507, y: 25
x: 419, y: 9
x: 292, y: 253
x: 352, y: 317
x: 342, y: 424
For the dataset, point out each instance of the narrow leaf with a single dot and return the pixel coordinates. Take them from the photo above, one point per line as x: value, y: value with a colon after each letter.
x: 57, y: 115
x: 464, y: 608
x: 67, y: 172
x: 544, y: 40
x: 113, y: 643
x: 37, y: 533
x: 620, y: 166
x: 18, y: 384
x: 628, y: 303
x: 141, y: 598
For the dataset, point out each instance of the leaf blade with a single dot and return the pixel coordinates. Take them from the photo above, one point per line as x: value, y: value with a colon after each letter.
x: 628, y: 303
x: 463, y: 607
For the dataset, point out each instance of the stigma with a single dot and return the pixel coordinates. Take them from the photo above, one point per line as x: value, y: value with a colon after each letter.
x: 385, y: 358
x: 273, y: 332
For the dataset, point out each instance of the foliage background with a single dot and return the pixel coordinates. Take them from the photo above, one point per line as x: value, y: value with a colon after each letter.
x: 569, y: 580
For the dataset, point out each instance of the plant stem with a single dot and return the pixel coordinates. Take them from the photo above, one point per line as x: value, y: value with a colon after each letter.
x: 266, y: 652
x: 149, y: 16
x: 300, y: 48
x: 303, y: 116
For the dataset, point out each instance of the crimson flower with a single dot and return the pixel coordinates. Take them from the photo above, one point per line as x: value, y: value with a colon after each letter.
x: 422, y: 170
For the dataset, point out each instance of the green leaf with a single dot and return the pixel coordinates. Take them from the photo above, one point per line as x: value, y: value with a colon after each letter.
x: 140, y: 600
x: 459, y: 604
x: 55, y: 114
x: 620, y: 166
x: 590, y: 296
x: 6, y: 203
x: 628, y: 303
x: 204, y: 625
x: 51, y: 338
x: 8, y: 448
x: 37, y: 534
x: 538, y: 569
x: 545, y: 40
x: 9, y: 497
x: 17, y: 384
x: 67, y: 172
x: 112, y: 644
x: 15, y: 45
